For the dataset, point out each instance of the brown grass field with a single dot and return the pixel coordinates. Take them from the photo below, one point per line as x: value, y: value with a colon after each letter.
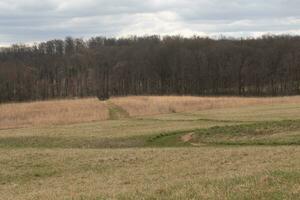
x: 17, y: 115
x: 59, y: 112
x: 151, y: 148
x: 141, y: 106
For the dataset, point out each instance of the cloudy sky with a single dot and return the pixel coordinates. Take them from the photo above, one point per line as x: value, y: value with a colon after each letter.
x: 28, y: 21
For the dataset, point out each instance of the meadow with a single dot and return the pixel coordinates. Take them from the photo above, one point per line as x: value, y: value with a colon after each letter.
x: 151, y: 148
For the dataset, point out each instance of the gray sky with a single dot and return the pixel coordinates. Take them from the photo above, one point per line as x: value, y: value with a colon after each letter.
x: 28, y: 21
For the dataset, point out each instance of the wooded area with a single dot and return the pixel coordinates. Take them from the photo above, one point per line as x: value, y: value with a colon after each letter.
x: 151, y: 65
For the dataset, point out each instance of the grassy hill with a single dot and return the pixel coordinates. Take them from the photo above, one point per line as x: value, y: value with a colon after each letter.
x: 151, y: 148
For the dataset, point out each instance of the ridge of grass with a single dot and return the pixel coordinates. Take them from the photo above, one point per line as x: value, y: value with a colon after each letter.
x: 71, y: 142
x: 193, y: 120
x: 272, y: 133
x: 259, y: 133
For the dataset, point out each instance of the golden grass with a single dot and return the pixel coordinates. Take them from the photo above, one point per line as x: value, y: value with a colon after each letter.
x: 60, y: 112
x: 151, y: 105
x: 54, y: 112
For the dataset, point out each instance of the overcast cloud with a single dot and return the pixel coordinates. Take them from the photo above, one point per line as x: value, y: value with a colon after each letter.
x: 28, y: 21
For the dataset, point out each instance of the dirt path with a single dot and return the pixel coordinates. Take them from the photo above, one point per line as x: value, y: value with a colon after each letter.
x: 187, y: 137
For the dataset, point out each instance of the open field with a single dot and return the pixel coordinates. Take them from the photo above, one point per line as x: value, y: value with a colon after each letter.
x: 171, y: 173
x: 180, y: 148
x: 60, y: 112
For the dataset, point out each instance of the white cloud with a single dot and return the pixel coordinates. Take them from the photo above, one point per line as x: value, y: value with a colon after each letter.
x: 35, y: 20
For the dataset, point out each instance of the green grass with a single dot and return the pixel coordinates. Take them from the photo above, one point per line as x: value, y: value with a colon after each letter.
x: 71, y: 142
x: 285, y: 132
x: 156, y: 131
x: 280, y: 186
x: 127, y: 133
x: 160, y: 173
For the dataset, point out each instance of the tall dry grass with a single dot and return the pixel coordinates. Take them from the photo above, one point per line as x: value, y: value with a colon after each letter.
x: 151, y: 105
x: 16, y: 115
x: 57, y: 112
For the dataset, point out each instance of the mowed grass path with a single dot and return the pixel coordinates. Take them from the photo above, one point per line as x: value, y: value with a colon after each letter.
x: 249, y: 152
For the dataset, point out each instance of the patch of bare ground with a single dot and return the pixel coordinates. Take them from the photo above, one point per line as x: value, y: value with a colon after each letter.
x: 187, y: 137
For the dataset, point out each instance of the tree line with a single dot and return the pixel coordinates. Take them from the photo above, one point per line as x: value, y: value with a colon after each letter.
x: 150, y: 65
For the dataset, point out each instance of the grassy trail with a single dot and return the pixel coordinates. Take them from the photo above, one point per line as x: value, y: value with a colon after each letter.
x: 116, y: 112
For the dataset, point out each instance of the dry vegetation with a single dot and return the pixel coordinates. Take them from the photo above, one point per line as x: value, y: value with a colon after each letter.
x: 173, y: 173
x: 17, y: 115
x: 145, y: 105
x: 88, y: 160
x: 58, y: 112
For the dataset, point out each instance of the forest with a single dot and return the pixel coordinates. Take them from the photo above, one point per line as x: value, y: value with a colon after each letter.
x: 150, y: 65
